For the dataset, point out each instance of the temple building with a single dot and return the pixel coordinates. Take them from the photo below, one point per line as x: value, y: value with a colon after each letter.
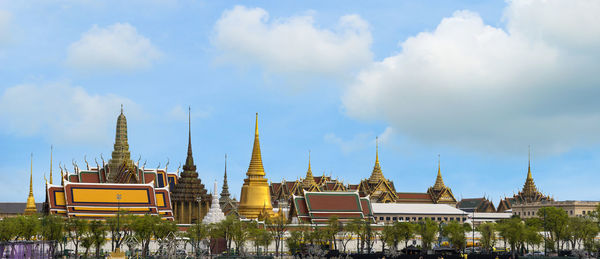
x: 255, y: 198
x: 377, y: 187
x: 476, y: 205
x: 190, y: 199
x: 228, y: 205
x: 120, y: 184
x: 282, y: 192
x: 438, y: 193
x: 318, y: 207
x: 529, y: 194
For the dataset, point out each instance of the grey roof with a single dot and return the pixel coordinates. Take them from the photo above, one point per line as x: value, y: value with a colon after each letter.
x: 16, y: 207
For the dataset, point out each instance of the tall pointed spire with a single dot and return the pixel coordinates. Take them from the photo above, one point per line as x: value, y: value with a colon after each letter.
x: 120, y: 155
x: 225, y: 190
x: 30, y: 208
x: 439, y: 182
x: 529, y: 186
x: 256, y: 165
x: 51, y: 147
x: 309, y: 179
x: 377, y: 174
x: 189, y: 167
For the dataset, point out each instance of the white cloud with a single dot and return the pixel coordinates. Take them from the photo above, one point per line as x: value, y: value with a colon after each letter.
x: 480, y: 87
x: 61, y: 113
x: 293, y: 46
x: 357, y: 142
x: 118, y: 47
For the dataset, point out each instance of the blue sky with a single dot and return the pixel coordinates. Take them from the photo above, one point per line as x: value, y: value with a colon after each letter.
x: 474, y: 81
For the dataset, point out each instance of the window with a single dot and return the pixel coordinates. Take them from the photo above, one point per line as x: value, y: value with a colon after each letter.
x: 432, y: 218
x: 380, y: 218
x: 387, y: 218
x: 439, y: 218
x: 584, y: 212
x: 571, y: 212
x: 414, y: 218
x: 420, y: 218
x: 451, y: 219
x: 445, y: 218
x: 528, y: 213
x: 395, y: 218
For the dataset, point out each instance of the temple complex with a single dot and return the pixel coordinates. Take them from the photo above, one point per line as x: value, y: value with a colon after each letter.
x: 120, y: 184
x: 190, y: 198
x: 529, y: 194
x: 255, y: 198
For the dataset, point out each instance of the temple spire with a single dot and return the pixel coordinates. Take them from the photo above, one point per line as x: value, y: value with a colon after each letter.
x: 51, y: 147
x: 121, y: 157
x: 256, y: 165
x: 377, y: 174
x: 189, y: 169
x: 529, y: 163
x: 30, y: 208
x: 309, y: 179
x: 529, y: 186
x: 439, y: 182
x: 225, y: 190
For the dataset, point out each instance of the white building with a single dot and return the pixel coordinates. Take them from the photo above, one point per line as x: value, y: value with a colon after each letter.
x: 413, y: 212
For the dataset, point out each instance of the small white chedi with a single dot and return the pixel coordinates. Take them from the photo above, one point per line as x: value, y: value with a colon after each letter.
x: 214, y: 214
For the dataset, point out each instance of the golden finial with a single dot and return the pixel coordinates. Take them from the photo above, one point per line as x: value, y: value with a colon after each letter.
x: 31, y: 177
x: 439, y: 181
x: 121, y: 108
x: 529, y: 163
x: 377, y: 149
x: 51, y: 147
x: 256, y: 165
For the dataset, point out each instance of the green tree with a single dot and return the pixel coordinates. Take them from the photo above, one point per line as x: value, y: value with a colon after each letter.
x: 456, y: 234
x: 87, y: 242
x: 278, y: 226
x: 513, y: 232
x: 29, y: 227
x: 9, y: 230
x: 239, y: 234
x: 488, y: 235
x: 196, y: 233
x: 388, y: 236
x: 427, y: 229
x: 52, y: 230
x: 406, y: 231
x: 143, y: 228
x: 97, y: 235
x: 555, y: 222
x: 162, y: 229
x: 75, y: 229
x: 332, y: 229
x: 294, y: 241
x: 226, y: 228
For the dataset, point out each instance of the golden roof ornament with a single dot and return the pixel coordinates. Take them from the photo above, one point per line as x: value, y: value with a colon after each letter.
x: 30, y: 207
x: 51, y: 147
x: 439, y: 182
x: 256, y: 165
x: 377, y: 174
x: 309, y: 180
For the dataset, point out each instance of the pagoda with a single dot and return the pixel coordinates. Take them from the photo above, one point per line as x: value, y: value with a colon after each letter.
x: 190, y: 198
x: 214, y: 214
x: 439, y: 192
x: 528, y: 194
x: 255, y: 197
x: 377, y: 187
x: 30, y: 207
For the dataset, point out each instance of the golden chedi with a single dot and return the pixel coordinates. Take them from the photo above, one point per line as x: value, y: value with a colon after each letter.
x: 30, y: 207
x: 255, y: 199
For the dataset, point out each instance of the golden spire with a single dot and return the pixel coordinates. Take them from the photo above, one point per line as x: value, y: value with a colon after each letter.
x: 529, y: 186
x: 225, y: 190
x: 377, y: 174
x: 309, y: 179
x: 256, y: 165
x: 51, y: 147
x: 439, y: 182
x: 30, y: 208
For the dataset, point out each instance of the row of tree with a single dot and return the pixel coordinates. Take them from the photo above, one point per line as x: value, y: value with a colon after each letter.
x: 57, y: 231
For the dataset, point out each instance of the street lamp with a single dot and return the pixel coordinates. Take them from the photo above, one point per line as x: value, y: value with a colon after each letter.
x: 473, y: 238
x: 545, y: 238
x: 199, y: 200
x: 118, y: 228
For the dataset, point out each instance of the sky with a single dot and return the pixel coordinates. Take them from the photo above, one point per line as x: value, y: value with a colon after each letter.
x: 476, y: 82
